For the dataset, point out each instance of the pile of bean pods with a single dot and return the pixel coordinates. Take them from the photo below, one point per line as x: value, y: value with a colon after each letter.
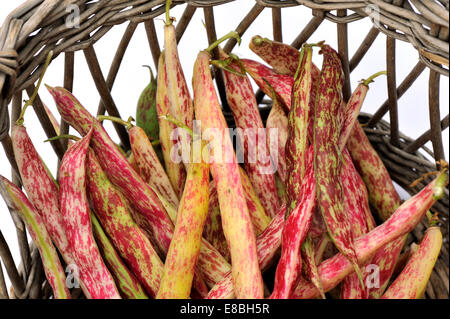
x: 293, y: 219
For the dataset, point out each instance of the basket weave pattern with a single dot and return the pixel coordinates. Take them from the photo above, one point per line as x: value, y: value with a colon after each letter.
x: 38, y: 26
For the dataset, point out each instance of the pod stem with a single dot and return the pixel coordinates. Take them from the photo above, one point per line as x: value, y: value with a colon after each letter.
x: 302, y: 53
x: 63, y: 137
x: 152, y: 76
x: 372, y: 78
x: 232, y: 34
x: 258, y: 41
x: 30, y: 101
x: 225, y: 65
x: 178, y: 123
x: 169, y: 19
x: 114, y: 119
x: 156, y: 143
x: 441, y: 183
x: 433, y: 219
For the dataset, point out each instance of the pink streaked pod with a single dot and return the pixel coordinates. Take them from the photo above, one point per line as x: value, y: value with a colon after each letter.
x: 333, y: 270
x: 77, y: 222
x: 237, y: 225
x: 16, y: 200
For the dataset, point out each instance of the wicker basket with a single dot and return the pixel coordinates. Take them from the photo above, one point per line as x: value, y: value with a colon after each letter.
x: 38, y: 26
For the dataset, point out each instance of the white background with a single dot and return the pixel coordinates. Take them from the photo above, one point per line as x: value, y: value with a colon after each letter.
x: 132, y: 77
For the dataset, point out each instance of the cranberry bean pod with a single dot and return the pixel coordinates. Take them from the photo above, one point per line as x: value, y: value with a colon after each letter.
x: 412, y: 281
x: 333, y: 270
x: 236, y: 221
x: 77, y: 222
x: 16, y: 199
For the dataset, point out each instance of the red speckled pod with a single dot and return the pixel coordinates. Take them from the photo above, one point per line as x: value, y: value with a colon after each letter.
x: 297, y: 142
x: 277, y: 119
x: 282, y: 84
x: 382, y: 196
x: 116, y: 166
x: 77, y: 222
x: 351, y: 109
x: 213, y: 231
x: 184, y: 249
x: 285, y: 59
x: 332, y: 271
x: 126, y: 282
x: 131, y: 243
x: 251, y: 133
x: 356, y: 204
x: 294, y: 233
x: 280, y: 56
x: 386, y: 259
x: 236, y: 222
x: 412, y: 281
x: 181, y: 106
x: 327, y: 160
x: 351, y: 112
x: 260, y: 219
x: 149, y: 167
x: 41, y: 189
x: 119, y: 171
x: 175, y: 169
x: 16, y: 200
x: 267, y: 243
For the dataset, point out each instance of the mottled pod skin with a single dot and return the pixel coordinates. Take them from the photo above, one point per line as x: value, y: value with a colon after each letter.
x: 386, y: 258
x: 77, y: 222
x: 382, y: 196
x: 295, y: 230
x: 297, y: 142
x: 213, y: 231
x: 41, y: 189
x: 181, y: 106
x: 258, y: 215
x: 277, y: 119
x: 327, y: 158
x: 284, y: 59
x: 149, y: 167
x: 116, y: 166
x: 126, y: 282
x: 242, y: 101
x: 268, y: 243
x: 113, y: 213
x: 237, y: 225
x: 16, y: 200
x: 412, y: 281
x: 184, y: 249
x: 333, y: 270
x: 146, y: 115
x: 281, y: 84
x: 356, y: 204
x: 296, y: 159
x: 351, y: 112
x: 175, y: 170
x: 212, y: 265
